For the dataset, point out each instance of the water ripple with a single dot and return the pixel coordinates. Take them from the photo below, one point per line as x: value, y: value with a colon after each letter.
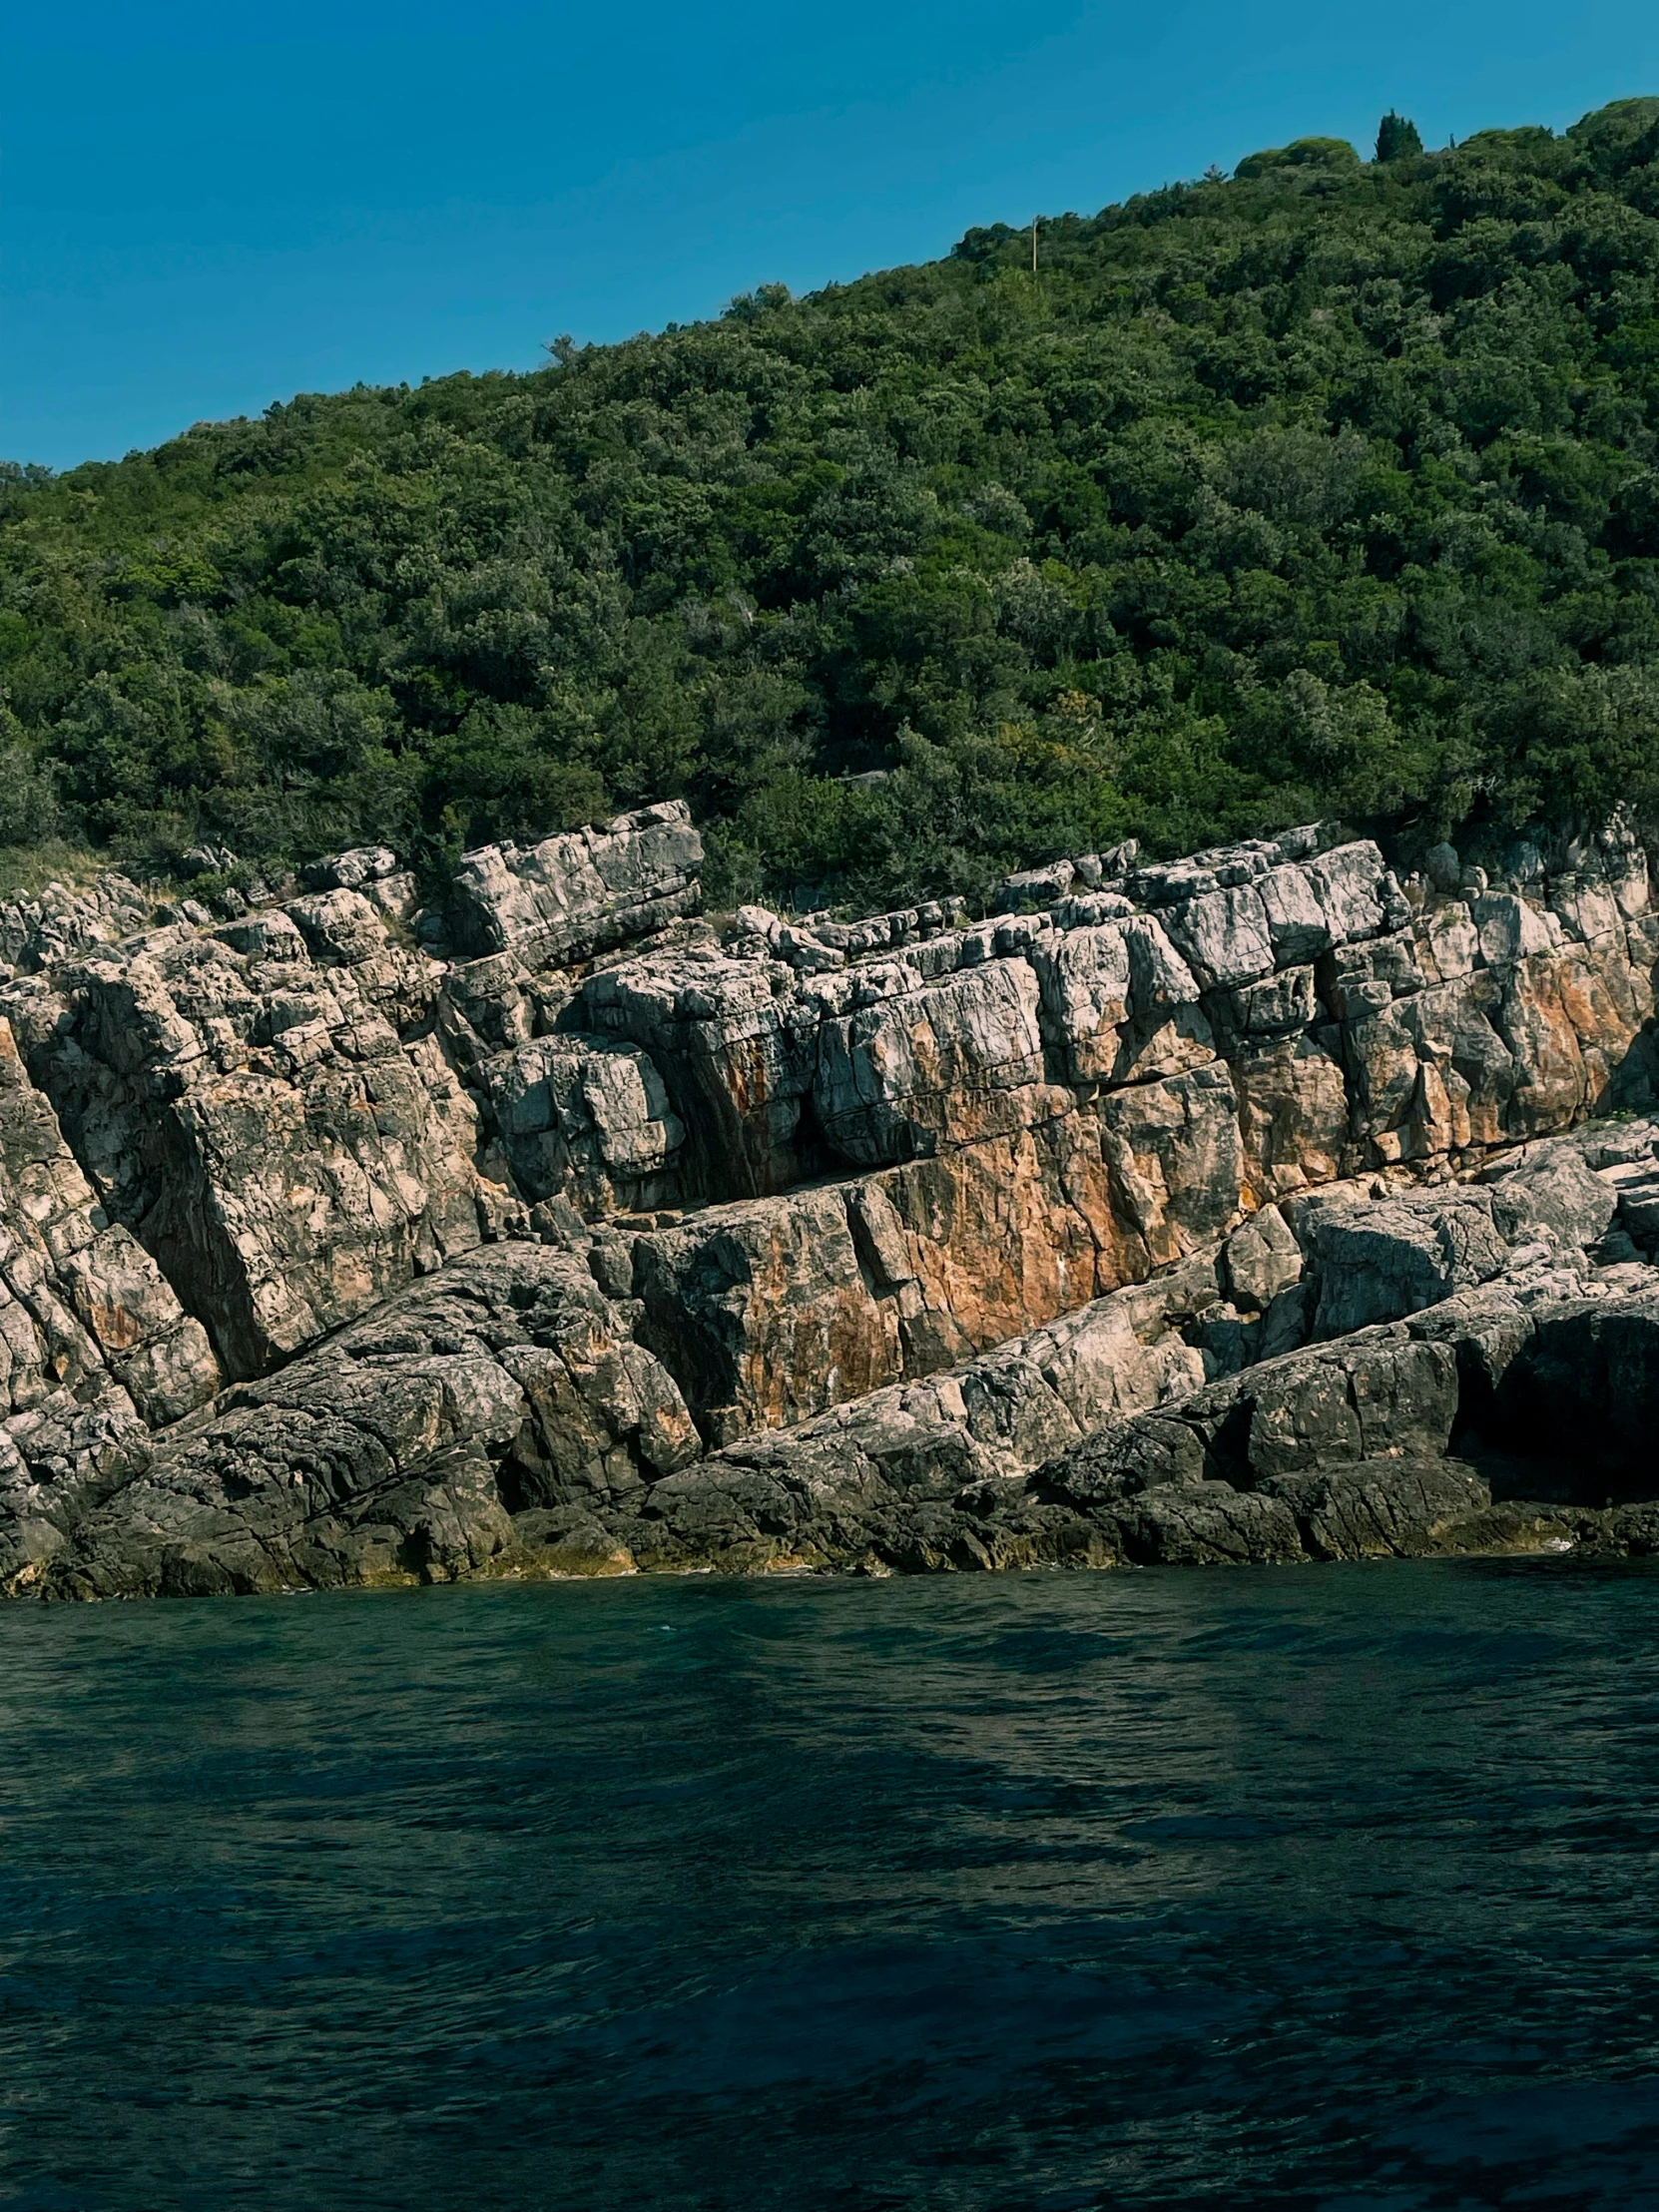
x: 1330, y: 1890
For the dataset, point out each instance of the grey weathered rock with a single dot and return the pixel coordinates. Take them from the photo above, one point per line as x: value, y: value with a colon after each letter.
x: 350, y: 871
x: 1385, y: 1393
x: 587, y: 1120
x: 1222, y: 936
x: 1382, y: 1262
x: 95, y: 1348
x: 80, y: 1301
x: 945, y: 1064
x: 1202, y: 1524
x: 61, y: 921
x: 1382, y: 1507
x: 1555, y: 1190
x: 1263, y: 1258
x: 576, y: 894
x: 737, y: 1048
x: 401, y: 1450
x: 1368, y: 1399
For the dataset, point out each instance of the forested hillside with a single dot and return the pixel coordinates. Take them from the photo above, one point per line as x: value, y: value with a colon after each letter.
x: 1328, y: 487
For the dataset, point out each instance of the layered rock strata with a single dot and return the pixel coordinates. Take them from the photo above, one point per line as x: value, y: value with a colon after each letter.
x: 266, y: 1107
x: 551, y: 1228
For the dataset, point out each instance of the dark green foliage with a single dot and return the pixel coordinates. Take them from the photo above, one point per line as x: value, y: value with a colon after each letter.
x: 1397, y: 138
x: 1333, y: 487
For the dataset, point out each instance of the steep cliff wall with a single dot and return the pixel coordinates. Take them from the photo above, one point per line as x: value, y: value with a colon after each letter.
x: 556, y: 1229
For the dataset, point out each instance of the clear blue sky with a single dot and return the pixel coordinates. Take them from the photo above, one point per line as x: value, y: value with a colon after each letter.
x: 204, y: 206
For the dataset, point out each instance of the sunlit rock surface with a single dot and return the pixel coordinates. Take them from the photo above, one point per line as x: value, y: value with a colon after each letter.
x: 1255, y: 1206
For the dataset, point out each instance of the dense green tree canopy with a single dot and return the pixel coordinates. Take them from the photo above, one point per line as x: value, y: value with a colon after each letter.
x: 1331, y: 487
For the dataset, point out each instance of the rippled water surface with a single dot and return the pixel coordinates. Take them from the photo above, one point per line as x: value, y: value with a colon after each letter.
x: 1325, y: 1888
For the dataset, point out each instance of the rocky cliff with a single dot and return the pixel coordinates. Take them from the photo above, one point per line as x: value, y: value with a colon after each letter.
x: 1256, y: 1206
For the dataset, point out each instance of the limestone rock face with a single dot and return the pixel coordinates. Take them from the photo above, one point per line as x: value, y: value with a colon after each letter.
x: 981, y: 1243
x: 95, y: 1348
x: 264, y: 1106
x: 1176, y: 1159
x: 1270, y: 1017
x: 60, y: 921
x: 1206, y: 1210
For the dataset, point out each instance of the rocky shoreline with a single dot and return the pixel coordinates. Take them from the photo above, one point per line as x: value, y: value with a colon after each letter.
x: 1257, y: 1206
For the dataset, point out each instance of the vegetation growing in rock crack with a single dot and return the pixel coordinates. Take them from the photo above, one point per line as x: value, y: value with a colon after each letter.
x: 1326, y: 488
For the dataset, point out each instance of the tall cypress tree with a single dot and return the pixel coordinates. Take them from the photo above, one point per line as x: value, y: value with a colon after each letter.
x: 1396, y: 137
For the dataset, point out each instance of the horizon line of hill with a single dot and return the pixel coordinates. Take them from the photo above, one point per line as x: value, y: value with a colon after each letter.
x: 1328, y: 487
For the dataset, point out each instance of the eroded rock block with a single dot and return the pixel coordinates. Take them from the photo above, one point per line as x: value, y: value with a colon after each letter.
x: 580, y: 893
x: 1263, y: 1258
x: 1555, y: 1190
x: 1176, y: 1159
x: 267, y: 1110
x: 399, y: 1450
x: 1389, y: 1398
x: 948, y: 1064
x: 763, y: 1313
x: 1382, y: 1262
x: 1222, y: 936
x: 587, y: 1120
x: 1381, y: 1508
x: 1208, y: 1524
x: 737, y: 1048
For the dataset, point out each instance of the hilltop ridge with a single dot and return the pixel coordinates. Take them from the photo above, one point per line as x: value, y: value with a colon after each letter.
x: 1325, y: 489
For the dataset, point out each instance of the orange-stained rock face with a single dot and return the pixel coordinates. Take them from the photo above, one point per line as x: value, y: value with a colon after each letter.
x: 987, y: 1240
x: 866, y: 1212
x: 771, y: 1310
x: 1293, y: 1119
x: 762, y: 1313
x: 1021, y: 1115
x: 817, y: 1162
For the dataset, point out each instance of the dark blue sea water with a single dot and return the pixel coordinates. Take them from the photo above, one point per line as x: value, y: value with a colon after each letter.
x: 1305, y: 1888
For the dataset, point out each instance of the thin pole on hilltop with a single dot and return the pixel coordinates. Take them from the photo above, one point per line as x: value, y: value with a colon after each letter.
x: 1033, y: 245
